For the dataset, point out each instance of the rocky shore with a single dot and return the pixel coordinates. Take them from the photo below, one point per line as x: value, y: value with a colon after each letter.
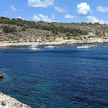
x: 59, y: 41
x: 9, y: 102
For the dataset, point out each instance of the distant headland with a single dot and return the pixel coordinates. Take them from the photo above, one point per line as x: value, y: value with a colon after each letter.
x: 16, y: 32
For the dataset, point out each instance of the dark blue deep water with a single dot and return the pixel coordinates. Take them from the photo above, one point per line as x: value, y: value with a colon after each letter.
x: 65, y: 77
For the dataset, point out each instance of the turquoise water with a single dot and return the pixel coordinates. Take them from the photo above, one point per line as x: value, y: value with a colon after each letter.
x: 65, y: 77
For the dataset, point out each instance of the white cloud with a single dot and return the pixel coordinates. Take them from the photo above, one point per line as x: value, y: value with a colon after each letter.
x: 60, y: 10
x: 13, y: 8
x: 83, y: 8
x: 94, y: 19
x: 68, y: 16
x: 41, y: 3
x: 20, y: 17
x: 102, y: 9
x: 41, y: 17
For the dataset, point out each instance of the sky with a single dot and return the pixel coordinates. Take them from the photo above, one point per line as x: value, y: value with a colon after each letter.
x: 56, y: 10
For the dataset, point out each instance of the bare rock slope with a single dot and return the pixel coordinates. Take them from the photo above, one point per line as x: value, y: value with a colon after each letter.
x: 8, y: 102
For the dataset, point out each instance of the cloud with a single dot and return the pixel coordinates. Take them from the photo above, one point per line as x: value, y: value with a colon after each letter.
x: 60, y: 10
x: 83, y: 9
x: 20, y: 17
x: 102, y: 9
x: 41, y: 17
x: 94, y: 19
x: 68, y: 16
x: 13, y: 8
x: 41, y: 3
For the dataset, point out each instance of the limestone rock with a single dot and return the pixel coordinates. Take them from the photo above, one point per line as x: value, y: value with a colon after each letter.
x: 9, y: 102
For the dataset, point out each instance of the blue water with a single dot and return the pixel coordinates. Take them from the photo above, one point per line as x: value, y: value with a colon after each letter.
x: 65, y: 77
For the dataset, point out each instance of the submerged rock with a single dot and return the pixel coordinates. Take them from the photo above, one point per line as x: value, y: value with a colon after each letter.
x: 1, y: 75
x: 9, y: 102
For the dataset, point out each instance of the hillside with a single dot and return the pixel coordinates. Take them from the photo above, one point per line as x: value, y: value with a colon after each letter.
x: 18, y: 31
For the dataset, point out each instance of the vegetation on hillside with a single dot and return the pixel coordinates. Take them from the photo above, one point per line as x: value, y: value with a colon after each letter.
x: 40, y: 25
x: 22, y: 30
x: 8, y: 29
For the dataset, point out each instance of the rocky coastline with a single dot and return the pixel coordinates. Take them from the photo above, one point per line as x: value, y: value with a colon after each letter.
x: 9, y: 102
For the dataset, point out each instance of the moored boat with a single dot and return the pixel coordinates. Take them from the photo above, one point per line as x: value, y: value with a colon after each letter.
x: 50, y: 46
x: 34, y: 47
x: 85, y: 46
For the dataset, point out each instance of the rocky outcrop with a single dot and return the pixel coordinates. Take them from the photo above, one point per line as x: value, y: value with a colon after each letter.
x: 8, y: 102
x: 1, y: 75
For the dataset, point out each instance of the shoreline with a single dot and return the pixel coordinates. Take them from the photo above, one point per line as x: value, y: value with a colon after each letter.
x: 66, y: 42
x: 9, y: 102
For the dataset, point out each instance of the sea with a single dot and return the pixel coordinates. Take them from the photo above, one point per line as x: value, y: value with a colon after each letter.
x: 61, y: 77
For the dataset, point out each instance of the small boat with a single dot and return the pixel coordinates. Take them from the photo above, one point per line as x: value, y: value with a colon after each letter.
x: 50, y: 47
x: 85, y: 46
x: 34, y: 47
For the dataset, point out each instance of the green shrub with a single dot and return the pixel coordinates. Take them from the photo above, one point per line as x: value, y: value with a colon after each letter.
x: 97, y: 32
x: 8, y: 29
x: 23, y: 29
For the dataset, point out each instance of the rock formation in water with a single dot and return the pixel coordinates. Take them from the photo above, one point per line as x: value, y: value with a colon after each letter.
x: 8, y: 102
x: 1, y: 75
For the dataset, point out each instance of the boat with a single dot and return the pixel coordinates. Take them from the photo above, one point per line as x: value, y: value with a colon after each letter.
x: 85, y: 46
x: 50, y: 47
x: 34, y: 47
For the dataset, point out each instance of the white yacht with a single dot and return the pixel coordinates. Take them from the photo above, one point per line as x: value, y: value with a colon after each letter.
x: 50, y: 46
x: 85, y: 46
x: 34, y: 47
